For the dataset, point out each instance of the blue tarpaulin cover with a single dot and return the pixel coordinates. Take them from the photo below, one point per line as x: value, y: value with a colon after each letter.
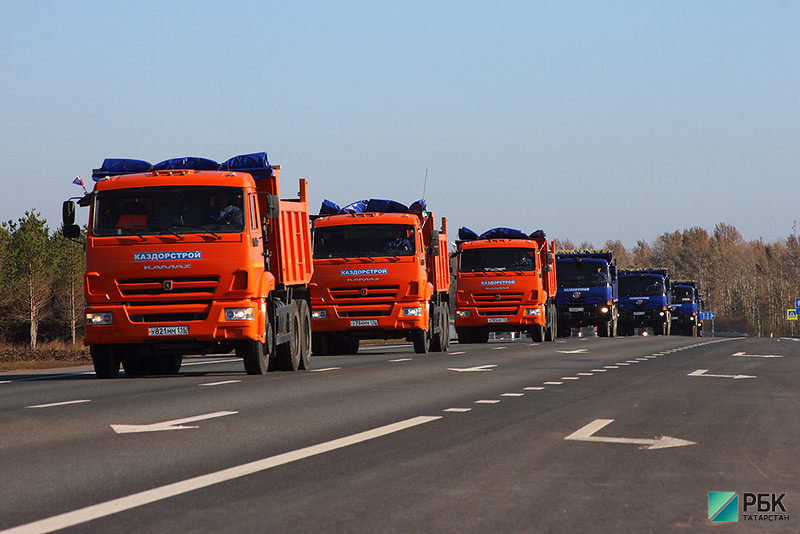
x: 465, y: 234
x: 255, y: 164
x: 372, y: 205
x: 174, y: 164
x: 117, y: 166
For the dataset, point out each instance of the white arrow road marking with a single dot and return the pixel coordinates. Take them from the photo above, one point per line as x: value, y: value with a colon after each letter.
x: 472, y: 369
x: 586, y: 434
x: 702, y: 372
x: 177, y: 424
x: 758, y: 355
x: 128, y: 502
x: 576, y: 351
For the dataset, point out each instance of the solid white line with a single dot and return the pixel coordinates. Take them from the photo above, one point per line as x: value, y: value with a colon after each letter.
x: 143, y: 498
x: 220, y: 383
x: 324, y: 369
x: 59, y: 403
x: 458, y: 410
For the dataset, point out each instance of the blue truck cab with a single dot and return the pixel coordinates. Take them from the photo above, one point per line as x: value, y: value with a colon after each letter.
x: 645, y: 297
x: 686, y: 307
x: 587, y: 291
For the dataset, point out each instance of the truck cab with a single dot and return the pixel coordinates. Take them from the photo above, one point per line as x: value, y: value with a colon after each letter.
x: 686, y: 308
x: 645, y: 297
x: 587, y: 291
x: 380, y: 272
x: 506, y: 282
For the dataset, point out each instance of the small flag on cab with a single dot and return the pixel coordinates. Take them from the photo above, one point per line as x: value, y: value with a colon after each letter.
x: 79, y: 181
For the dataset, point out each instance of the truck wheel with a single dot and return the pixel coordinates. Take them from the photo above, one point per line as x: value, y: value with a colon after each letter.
x: 351, y: 345
x: 604, y: 329
x: 172, y: 364
x: 288, y: 354
x: 551, y: 331
x: 133, y: 365
x: 422, y: 341
x: 438, y: 341
x: 254, y: 355
x: 305, y: 335
x: 319, y: 343
x: 445, y: 327
x: 106, y: 363
x: 537, y: 333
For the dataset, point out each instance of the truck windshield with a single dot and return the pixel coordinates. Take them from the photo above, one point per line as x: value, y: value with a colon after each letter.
x: 480, y: 260
x: 681, y: 294
x: 172, y: 210
x: 581, y: 273
x: 640, y: 286
x: 364, y: 240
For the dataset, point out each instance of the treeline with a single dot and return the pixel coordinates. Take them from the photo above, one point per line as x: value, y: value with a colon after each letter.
x: 42, y: 281
x: 749, y: 285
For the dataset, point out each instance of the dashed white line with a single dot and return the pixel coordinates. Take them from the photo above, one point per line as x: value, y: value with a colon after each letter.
x: 534, y: 388
x: 458, y: 410
x: 324, y: 369
x: 553, y: 383
x: 570, y: 378
x: 585, y: 374
x: 53, y: 404
x: 487, y: 401
x: 499, y: 348
x: 401, y: 360
x: 611, y: 366
x: 224, y: 382
x: 599, y: 370
x: 456, y: 353
x: 512, y: 394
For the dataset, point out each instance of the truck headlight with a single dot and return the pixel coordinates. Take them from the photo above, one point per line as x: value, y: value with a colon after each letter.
x: 661, y: 314
x: 533, y: 311
x: 238, y: 314
x: 462, y: 313
x: 94, y: 318
x: 604, y: 309
x: 319, y: 314
x: 412, y: 312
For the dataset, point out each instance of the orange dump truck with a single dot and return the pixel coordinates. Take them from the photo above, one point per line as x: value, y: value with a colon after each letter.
x: 189, y: 256
x: 380, y: 272
x: 506, y: 282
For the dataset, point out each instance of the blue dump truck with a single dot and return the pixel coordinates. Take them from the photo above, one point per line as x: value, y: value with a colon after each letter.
x: 645, y: 297
x: 587, y: 291
x: 686, y: 307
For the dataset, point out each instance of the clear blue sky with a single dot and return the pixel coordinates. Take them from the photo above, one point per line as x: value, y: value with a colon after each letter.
x: 591, y: 120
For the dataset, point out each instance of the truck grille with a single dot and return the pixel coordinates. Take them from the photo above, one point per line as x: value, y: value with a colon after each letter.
x: 167, y: 312
x: 497, y: 304
x: 196, y: 285
x: 365, y: 295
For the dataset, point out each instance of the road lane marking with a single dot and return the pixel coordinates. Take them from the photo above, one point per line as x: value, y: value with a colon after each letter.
x: 599, y: 370
x: 586, y: 433
x: 534, y: 388
x: 401, y: 360
x: 499, y: 348
x: 472, y: 369
x: 585, y: 374
x: 611, y: 366
x: 702, y: 372
x: 484, y: 401
x: 570, y: 378
x: 53, y: 404
x: 758, y: 355
x: 553, y: 383
x: 176, y: 424
x: 512, y: 395
x: 224, y: 382
x: 622, y: 363
x: 458, y: 410
x: 456, y: 353
x: 324, y: 369
x: 576, y: 351
x: 90, y: 513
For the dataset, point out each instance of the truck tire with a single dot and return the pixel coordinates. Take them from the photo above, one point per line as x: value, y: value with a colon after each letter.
x: 551, y: 331
x: 464, y: 335
x: 537, y: 333
x: 351, y: 345
x: 319, y: 343
x: 604, y: 329
x: 254, y: 355
x: 305, y: 335
x: 440, y: 341
x: 105, y: 361
x: 288, y: 354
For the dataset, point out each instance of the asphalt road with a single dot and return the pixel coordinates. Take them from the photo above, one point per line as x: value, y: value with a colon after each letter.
x: 581, y: 435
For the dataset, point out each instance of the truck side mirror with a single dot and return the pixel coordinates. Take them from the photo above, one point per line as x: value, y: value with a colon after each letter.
x: 68, y: 213
x: 71, y: 231
x: 435, y: 237
x: 433, y: 250
x: 548, y: 268
x: 549, y: 258
x: 273, y: 207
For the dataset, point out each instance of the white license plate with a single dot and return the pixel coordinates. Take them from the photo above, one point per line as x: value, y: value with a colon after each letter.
x: 576, y: 309
x: 498, y: 319
x: 364, y: 322
x: 168, y: 331
x: 638, y: 313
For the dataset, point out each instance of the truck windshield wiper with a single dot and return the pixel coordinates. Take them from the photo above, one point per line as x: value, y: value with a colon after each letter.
x: 201, y: 228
